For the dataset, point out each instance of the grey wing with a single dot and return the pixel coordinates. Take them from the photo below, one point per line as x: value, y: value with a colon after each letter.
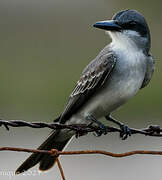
x: 92, y: 78
x: 149, y: 71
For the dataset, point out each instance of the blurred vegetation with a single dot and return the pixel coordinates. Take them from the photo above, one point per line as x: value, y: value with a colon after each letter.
x: 44, y: 46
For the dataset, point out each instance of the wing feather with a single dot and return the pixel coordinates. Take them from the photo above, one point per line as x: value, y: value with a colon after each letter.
x: 92, y: 78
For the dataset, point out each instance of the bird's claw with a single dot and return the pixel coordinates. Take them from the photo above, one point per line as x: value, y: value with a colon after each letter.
x: 125, y: 132
x: 101, y: 127
x: 101, y: 130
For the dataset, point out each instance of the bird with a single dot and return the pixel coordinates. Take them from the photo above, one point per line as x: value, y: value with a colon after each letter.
x: 118, y: 72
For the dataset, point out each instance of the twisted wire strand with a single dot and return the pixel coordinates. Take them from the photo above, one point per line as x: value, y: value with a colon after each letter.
x: 80, y: 129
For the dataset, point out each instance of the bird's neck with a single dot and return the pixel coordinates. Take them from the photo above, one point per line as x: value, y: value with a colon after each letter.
x: 122, y: 42
x: 127, y: 49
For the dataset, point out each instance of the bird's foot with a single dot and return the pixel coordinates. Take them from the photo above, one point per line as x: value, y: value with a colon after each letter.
x: 102, y: 129
x: 125, y: 132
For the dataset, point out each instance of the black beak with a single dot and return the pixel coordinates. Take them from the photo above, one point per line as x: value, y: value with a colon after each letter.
x: 107, y: 25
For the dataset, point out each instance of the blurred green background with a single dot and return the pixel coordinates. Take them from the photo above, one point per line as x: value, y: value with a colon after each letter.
x: 44, y: 46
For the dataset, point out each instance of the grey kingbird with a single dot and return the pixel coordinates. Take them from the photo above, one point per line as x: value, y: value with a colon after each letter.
x: 111, y: 79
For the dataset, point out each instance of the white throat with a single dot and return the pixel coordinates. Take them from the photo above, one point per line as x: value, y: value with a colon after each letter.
x: 124, y: 40
x: 126, y: 45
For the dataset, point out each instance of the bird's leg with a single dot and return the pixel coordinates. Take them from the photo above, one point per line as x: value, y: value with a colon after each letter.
x: 102, y: 130
x: 125, y: 130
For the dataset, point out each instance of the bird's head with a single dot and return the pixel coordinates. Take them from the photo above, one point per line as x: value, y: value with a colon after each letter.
x: 127, y: 27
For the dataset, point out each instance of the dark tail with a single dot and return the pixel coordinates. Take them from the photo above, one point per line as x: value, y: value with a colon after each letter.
x: 54, y: 141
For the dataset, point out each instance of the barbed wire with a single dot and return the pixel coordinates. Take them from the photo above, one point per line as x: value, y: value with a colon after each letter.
x: 82, y: 129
